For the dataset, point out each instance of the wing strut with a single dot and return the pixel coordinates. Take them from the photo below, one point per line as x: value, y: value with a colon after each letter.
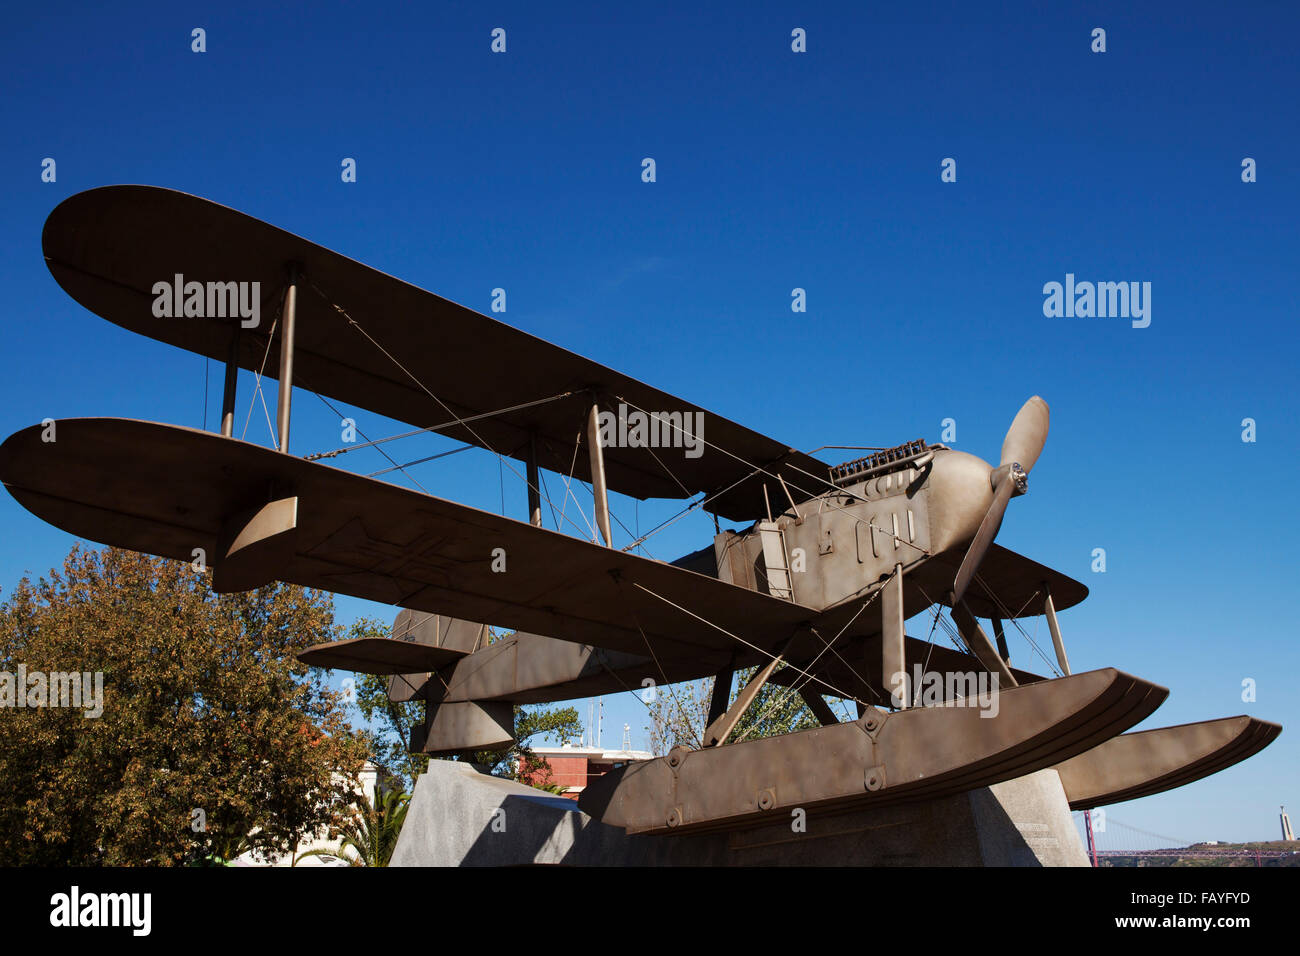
x: 1001, y: 636
x: 232, y: 374
x: 534, y: 488
x: 721, y: 695
x: 980, y: 644
x: 1055, y: 628
x: 817, y: 704
x: 284, y: 392
x: 598, y: 486
x: 718, y: 731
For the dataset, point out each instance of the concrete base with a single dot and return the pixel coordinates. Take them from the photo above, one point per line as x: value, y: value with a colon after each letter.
x: 461, y: 817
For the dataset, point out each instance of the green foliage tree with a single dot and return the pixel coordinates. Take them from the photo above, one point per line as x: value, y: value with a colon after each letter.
x: 388, y: 722
x: 369, y: 832
x: 212, y: 735
x: 679, y: 713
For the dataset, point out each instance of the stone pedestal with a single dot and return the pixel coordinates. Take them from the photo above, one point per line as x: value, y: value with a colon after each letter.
x: 461, y: 817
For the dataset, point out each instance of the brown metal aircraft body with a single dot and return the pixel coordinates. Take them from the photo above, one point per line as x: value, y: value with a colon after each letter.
x: 814, y: 593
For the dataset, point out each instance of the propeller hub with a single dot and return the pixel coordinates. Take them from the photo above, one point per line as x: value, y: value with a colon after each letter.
x: 1012, y: 472
x: 1021, y: 448
x: 1020, y: 477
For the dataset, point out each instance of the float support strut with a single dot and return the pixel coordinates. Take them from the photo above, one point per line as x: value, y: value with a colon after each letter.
x: 1050, y: 609
x: 893, y: 659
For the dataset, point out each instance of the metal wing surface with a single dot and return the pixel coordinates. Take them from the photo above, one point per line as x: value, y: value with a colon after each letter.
x: 167, y: 490
x: 108, y: 247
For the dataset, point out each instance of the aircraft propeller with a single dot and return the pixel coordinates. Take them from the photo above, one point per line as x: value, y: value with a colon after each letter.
x: 1020, y: 450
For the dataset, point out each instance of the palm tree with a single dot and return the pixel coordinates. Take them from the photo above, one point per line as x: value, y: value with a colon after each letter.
x: 371, y: 833
x: 221, y: 850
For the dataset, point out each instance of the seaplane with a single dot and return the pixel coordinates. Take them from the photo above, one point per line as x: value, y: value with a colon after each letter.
x: 810, y: 595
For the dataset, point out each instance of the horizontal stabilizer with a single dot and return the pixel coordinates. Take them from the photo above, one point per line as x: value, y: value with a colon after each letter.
x: 379, y: 655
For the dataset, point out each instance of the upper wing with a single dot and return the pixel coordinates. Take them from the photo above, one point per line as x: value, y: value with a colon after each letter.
x: 167, y: 490
x: 107, y: 248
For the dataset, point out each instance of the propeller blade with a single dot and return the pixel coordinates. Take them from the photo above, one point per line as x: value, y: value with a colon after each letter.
x: 982, y: 541
x: 1022, y: 446
x: 1027, y: 434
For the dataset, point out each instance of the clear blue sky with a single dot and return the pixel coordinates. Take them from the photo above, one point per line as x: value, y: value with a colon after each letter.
x: 775, y: 170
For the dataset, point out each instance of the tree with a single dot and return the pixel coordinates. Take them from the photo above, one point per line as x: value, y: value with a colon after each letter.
x: 369, y: 832
x: 394, y: 720
x: 211, y: 732
x: 519, y: 762
x: 679, y: 714
x: 389, y: 721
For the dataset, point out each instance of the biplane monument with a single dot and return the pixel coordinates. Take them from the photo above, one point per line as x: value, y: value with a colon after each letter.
x: 813, y: 593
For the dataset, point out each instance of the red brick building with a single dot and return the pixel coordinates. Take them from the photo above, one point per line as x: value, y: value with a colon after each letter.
x: 571, y: 767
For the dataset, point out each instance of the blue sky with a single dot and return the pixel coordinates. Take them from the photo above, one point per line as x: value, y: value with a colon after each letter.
x: 775, y: 170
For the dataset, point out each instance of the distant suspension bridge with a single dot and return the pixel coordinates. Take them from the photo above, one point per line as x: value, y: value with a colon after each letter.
x: 1114, y: 838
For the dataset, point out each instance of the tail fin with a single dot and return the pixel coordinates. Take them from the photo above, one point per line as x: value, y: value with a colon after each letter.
x: 436, y: 630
